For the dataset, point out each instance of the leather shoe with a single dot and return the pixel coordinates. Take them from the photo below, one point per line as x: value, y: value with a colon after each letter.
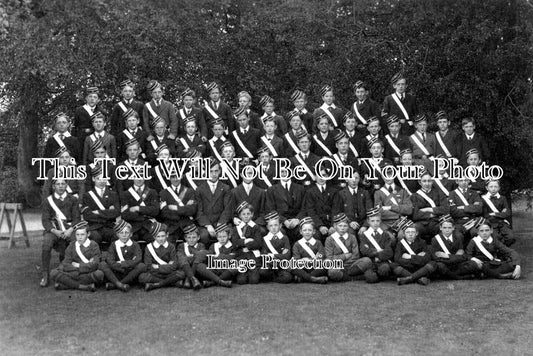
x: 187, y: 284
x: 207, y: 284
x: 44, y: 280
x: 196, y: 285
x: 224, y: 283
x: 109, y: 286
x: 423, y: 281
x: 319, y: 280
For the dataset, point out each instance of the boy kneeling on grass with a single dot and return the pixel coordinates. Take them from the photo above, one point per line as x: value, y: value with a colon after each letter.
x: 491, y: 257
x: 412, y: 257
x: 161, y: 260
x: 79, y: 269
x: 123, y: 262
x: 221, y: 250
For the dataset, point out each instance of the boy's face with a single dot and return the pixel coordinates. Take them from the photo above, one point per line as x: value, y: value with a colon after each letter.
x: 157, y: 93
x: 342, y: 145
x: 304, y: 144
x: 243, y: 121
x: 407, y: 159
x: 388, y: 181
x: 374, y: 222
x: 214, y: 172
x: 161, y: 237
x: 61, y: 125
x: 493, y: 187
x: 273, y: 226
x: 443, y: 124
x: 400, y: 86
x: 354, y: 181
x: 244, y: 102
x: 91, y: 99
x: 81, y: 235
x: 373, y: 127
x: 218, y: 130
x: 124, y: 235
x: 192, y: 238
x: 99, y: 153
x: 132, y: 122
x: 484, y: 232
x: 350, y: 124
x: 100, y: 182
x: 64, y: 159
x: 214, y: 94
x: 228, y: 153
x: 307, y: 231
x: 175, y: 180
x: 361, y: 94
x: 265, y: 158
x: 463, y: 183
x: 446, y: 228
x: 246, y: 215
x: 188, y: 101
x: 394, y: 128
x: 268, y: 108
x: 421, y: 126
x: 328, y: 98
x: 160, y: 129
x: 376, y: 150
x: 469, y: 128
x: 270, y: 127
x: 473, y: 160
x: 222, y: 237
x: 323, y: 125
x: 342, y: 227
x: 426, y: 182
x: 127, y: 92
x: 98, y: 125
x: 133, y: 152
x: 60, y: 186
x: 300, y: 103
x: 410, y: 234
x: 138, y: 182
x: 190, y: 128
x: 164, y: 154
x: 296, y: 122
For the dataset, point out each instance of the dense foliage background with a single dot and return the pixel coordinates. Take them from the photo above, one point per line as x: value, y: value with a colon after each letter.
x: 470, y: 58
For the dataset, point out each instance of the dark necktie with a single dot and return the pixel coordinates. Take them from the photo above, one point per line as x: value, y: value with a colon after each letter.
x: 244, y: 132
x: 61, y: 137
x: 390, y: 189
x: 424, y: 137
x: 330, y: 108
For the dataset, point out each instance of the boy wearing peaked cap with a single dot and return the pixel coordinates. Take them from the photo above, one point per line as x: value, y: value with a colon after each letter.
x: 413, y: 258
x: 162, y: 168
x: 223, y: 249
x: 299, y: 99
x: 308, y: 248
x: 448, y: 252
x: 447, y: 139
x: 401, y: 104
x: 266, y: 179
x: 470, y: 139
x: 245, y: 139
x: 363, y: 107
x: 62, y: 137
x: 75, y: 187
x: 247, y: 239
x: 99, y: 151
x: 127, y: 91
x: 406, y: 163
x: 267, y: 103
x: 496, y: 211
x: 465, y: 207
x: 296, y: 129
x: 276, y: 245
x: 59, y: 213
x: 133, y: 151
x: 131, y: 130
x: 394, y: 141
x: 215, y: 109
x: 159, y: 107
x: 323, y: 142
x: 160, y: 138
x: 214, y: 149
x: 355, y: 138
x: 161, y: 260
x: 341, y: 245
x: 374, y: 133
x: 245, y: 102
x: 305, y: 158
x: 189, y: 112
x: 317, y: 204
x: 328, y: 108
x: 100, y: 207
x: 270, y: 139
x: 189, y: 138
x: 423, y: 143
x: 123, y: 262
x: 473, y: 160
x: 79, y: 269
x: 372, y: 167
x: 247, y: 192
x: 344, y: 158
x: 108, y: 141
x: 82, y: 123
x: 190, y: 253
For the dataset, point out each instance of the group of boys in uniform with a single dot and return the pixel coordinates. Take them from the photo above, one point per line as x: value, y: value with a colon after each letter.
x: 168, y: 230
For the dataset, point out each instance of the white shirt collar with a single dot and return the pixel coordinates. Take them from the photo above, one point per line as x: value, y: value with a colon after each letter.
x: 247, y: 128
x: 191, y: 137
x: 497, y: 195
x: 86, y: 244
x: 304, y: 111
x: 372, y: 230
x: 247, y: 185
x: 470, y: 136
x: 352, y: 190
x: 157, y: 244
x: 122, y: 244
x: 312, y: 241
x: 326, y: 107
x: 65, y: 134
x: 62, y: 196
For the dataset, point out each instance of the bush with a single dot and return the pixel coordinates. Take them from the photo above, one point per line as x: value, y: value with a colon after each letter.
x: 9, y: 188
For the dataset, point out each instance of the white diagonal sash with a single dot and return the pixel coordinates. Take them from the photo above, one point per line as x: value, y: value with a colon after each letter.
x: 154, y: 145
x: 358, y: 114
x: 321, y: 144
x: 268, y: 242
x: 88, y: 109
x: 80, y: 254
x: 186, y: 249
x: 307, y: 249
x: 184, y: 143
x: 392, y: 144
x: 152, y: 112
x: 122, y: 106
x: 426, y: 198
x: 59, y: 214
x: 442, y: 244
x: 242, y: 146
x: 407, y: 247
x: 462, y: 197
x: 97, y: 200
x: 269, y: 145
x: 477, y: 241
x: 191, y: 181
x: 59, y: 140
x: 160, y: 177
x: 352, y: 147
x: 128, y: 134
x: 336, y: 237
x: 136, y: 196
x: 307, y: 169
x: 491, y: 205
x: 330, y: 114
x: 292, y: 143
x: 154, y: 255
x: 442, y: 145
x: 119, y: 252
x: 213, y: 114
x: 175, y: 196
x: 441, y: 186
x: 402, y: 108
x: 420, y: 145
x: 224, y: 166
x: 213, y: 148
x: 389, y: 195
x: 372, y: 240
x: 404, y: 186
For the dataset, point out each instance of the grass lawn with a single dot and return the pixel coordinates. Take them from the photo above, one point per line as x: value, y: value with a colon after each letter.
x: 457, y: 318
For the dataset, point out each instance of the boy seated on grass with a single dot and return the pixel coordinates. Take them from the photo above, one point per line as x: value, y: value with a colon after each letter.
x: 220, y: 250
x: 79, y: 269
x: 123, y: 262
x: 496, y: 211
x: 342, y: 245
x: 189, y: 255
x: 247, y: 240
x: 276, y: 246
x: 161, y: 260
x: 309, y: 248
x: 491, y: 257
